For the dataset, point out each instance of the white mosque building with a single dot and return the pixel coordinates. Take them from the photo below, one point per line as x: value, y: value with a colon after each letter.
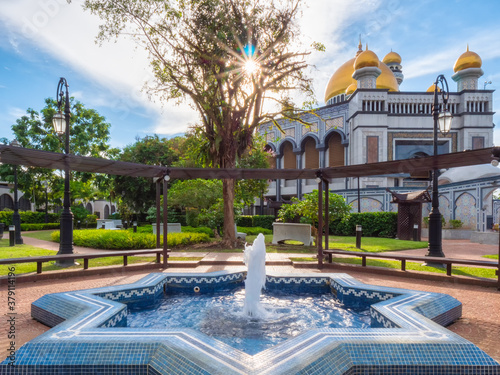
x: 368, y: 119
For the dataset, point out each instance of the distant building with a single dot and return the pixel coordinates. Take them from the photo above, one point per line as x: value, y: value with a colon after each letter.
x: 368, y: 119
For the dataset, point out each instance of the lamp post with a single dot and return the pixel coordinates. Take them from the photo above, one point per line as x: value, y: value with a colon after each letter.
x: 16, y: 218
x: 61, y: 126
x: 442, y: 118
x: 45, y: 184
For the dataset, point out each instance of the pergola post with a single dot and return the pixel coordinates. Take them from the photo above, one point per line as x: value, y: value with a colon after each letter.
x: 165, y: 221
x: 320, y: 222
x: 327, y: 213
x: 158, y: 212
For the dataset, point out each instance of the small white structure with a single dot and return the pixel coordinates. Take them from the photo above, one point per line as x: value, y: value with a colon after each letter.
x: 292, y: 231
x: 171, y: 228
x: 109, y: 224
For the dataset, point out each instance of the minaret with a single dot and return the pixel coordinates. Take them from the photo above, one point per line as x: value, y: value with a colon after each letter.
x: 393, y: 61
x: 366, y: 69
x: 467, y: 71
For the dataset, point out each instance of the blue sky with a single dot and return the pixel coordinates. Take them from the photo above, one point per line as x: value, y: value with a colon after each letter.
x: 42, y: 40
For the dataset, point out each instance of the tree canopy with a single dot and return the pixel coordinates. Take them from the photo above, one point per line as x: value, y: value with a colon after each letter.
x: 89, y: 136
x: 227, y: 57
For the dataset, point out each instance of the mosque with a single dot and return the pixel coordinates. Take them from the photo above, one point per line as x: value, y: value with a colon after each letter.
x: 368, y: 119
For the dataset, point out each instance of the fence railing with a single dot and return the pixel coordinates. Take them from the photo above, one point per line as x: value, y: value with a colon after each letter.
x: 449, y: 262
x: 43, y: 259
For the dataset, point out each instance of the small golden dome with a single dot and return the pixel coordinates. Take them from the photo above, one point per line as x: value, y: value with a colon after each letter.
x: 342, y: 79
x: 366, y: 58
x: 392, y: 57
x: 432, y: 87
x: 468, y: 59
x: 352, y: 87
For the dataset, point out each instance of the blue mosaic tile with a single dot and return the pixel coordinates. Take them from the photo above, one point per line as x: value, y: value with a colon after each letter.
x: 406, y: 335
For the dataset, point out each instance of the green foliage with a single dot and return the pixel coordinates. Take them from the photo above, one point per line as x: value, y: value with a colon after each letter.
x: 79, y: 213
x: 375, y: 224
x: 126, y: 240
x: 244, y: 221
x: 28, y: 217
x: 263, y: 221
x: 89, y: 136
x: 206, y: 230
x: 308, y: 208
x: 192, y: 218
x: 253, y: 231
x: 30, y: 227
x: 455, y: 224
x: 139, y: 193
x: 426, y: 221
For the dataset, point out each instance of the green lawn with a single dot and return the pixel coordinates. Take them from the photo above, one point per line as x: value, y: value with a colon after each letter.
x: 491, y: 256
x: 24, y: 251
x: 411, y: 266
x: 40, y: 234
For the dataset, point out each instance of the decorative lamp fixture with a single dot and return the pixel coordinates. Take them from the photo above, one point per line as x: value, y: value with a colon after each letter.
x: 59, y: 123
x: 444, y: 121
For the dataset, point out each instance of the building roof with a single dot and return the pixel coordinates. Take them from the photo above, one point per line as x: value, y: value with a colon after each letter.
x: 472, y: 172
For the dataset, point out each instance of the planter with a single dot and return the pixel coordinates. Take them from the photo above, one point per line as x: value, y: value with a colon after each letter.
x: 171, y: 228
x: 292, y: 231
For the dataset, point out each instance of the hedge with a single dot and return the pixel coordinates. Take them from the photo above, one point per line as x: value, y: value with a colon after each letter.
x: 375, y: 224
x: 28, y: 227
x: 253, y: 231
x: 205, y: 230
x: 263, y: 221
x: 125, y: 240
x: 28, y: 217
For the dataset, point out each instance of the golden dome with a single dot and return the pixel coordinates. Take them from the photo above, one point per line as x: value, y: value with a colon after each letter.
x: 392, y: 57
x: 432, y: 87
x: 352, y: 87
x: 468, y: 59
x: 342, y: 79
x: 366, y: 58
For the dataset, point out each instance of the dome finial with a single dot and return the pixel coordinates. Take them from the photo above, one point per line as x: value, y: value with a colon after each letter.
x: 467, y: 47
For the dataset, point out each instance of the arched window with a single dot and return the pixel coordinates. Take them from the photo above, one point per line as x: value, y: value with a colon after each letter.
x: 6, y: 202
x: 311, y: 154
x: 271, y: 157
x: 88, y: 207
x: 24, y: 204
x: 106, y: 211
x: 335, y: 151
x: 289, y: 159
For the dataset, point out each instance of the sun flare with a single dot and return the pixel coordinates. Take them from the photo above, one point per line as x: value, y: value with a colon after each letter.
x: 250, y: 67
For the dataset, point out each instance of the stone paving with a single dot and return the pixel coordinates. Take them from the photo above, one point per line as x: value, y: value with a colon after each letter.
x: 480, y: 322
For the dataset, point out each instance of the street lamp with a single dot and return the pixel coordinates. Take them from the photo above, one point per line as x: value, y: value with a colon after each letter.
x: 61, y: 126
x: 442, y: 118
x: 16, y: 218
x: 45, y: 184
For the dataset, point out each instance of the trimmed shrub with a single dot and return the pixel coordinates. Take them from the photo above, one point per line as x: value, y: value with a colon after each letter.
x: 206, y: 230
x: 375, y: 224
x: 244, y: 221
x: 455, y: 224
x: 253, y: 231
x: 263, y: 221
x: 29, y: 217
x: 28, y: 227
x: 125, y: 240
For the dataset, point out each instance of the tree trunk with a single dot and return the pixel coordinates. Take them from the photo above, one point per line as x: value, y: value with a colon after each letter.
x: 228, y: 195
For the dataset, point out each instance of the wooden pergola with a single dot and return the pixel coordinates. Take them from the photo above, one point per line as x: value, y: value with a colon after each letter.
x: 53, y: 160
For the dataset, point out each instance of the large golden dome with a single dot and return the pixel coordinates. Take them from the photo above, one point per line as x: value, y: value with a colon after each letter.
x: 365, y: 59
x: 468, y: 59
x: 342, y: 79
x: 392, y: 57
x: 433, y: 87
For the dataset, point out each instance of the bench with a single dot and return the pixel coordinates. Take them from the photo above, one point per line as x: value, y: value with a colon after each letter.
x: 292, y: 231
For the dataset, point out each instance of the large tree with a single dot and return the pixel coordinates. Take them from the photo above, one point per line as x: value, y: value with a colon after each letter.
x: 89, y: 136
x: 227, y: 57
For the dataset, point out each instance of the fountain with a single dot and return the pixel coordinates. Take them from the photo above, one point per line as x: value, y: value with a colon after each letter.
x: 91, y: 332
x: 255, y: 259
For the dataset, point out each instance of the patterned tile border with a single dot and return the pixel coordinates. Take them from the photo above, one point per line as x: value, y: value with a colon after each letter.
x: 90, y: 334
